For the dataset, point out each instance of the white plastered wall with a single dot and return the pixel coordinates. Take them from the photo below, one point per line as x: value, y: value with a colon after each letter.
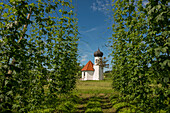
x: 83, y: 75
x: 98, y: 73
x: 87, y: 75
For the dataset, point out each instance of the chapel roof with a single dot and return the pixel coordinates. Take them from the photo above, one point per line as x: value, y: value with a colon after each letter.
x: 98, y: 53
x: 88, y: 67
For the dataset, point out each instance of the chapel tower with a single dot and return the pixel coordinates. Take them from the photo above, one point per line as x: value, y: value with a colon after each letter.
x: 98, y: 73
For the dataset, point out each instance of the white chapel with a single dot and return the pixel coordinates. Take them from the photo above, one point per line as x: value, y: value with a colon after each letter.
x: 93, y: 71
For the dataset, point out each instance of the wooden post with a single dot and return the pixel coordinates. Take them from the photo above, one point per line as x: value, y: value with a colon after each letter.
x: 24, y: 30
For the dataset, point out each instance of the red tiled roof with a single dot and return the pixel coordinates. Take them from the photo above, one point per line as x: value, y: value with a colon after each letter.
x: 88, y: 67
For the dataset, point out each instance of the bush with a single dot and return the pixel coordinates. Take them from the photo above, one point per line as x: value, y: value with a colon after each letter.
x: 93, y: 104
x: 66, y: 107
x: 108, y: 75
x: 94, y: 110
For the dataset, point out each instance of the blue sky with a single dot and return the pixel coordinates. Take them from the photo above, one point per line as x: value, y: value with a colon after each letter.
x: 93, y: 23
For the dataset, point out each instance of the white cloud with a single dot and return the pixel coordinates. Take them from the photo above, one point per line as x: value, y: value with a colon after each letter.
x: 84, y: 58
x: 104, y: 6
x: 89, y: 30
x: 94, y: 8
x: 85, y: 52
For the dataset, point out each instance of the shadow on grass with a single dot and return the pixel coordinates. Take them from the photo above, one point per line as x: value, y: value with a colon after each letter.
x: 102, y: 98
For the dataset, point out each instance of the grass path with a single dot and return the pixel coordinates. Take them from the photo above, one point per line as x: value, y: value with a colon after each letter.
x: 94, y: 96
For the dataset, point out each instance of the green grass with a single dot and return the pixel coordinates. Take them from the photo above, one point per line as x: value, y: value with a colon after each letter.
x: 94, y: 87
x: 94, y: 91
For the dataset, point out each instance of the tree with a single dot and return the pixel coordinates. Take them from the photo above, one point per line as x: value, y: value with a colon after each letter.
x: 158, y: 42
x: 134, y: 57
x: 34, y: 49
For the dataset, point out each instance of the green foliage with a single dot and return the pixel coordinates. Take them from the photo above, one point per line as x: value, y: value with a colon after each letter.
x: 93, y: 104
x: 94, y: 110
x: 108, y: 75
x: 66, y: 107
x: 38, y: 53
x: 79, y: 73
x: 93, y: 107
x: 48, y: 110
x: 120, y: 106
x: 141, y: 53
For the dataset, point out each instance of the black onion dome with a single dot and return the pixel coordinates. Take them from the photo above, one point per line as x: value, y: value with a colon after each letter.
x: 98, y: 53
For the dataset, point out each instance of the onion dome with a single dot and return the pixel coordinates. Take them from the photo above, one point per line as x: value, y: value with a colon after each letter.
x: 98, y: 53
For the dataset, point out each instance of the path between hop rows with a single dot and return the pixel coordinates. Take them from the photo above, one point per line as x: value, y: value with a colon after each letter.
x: 95, y: 103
